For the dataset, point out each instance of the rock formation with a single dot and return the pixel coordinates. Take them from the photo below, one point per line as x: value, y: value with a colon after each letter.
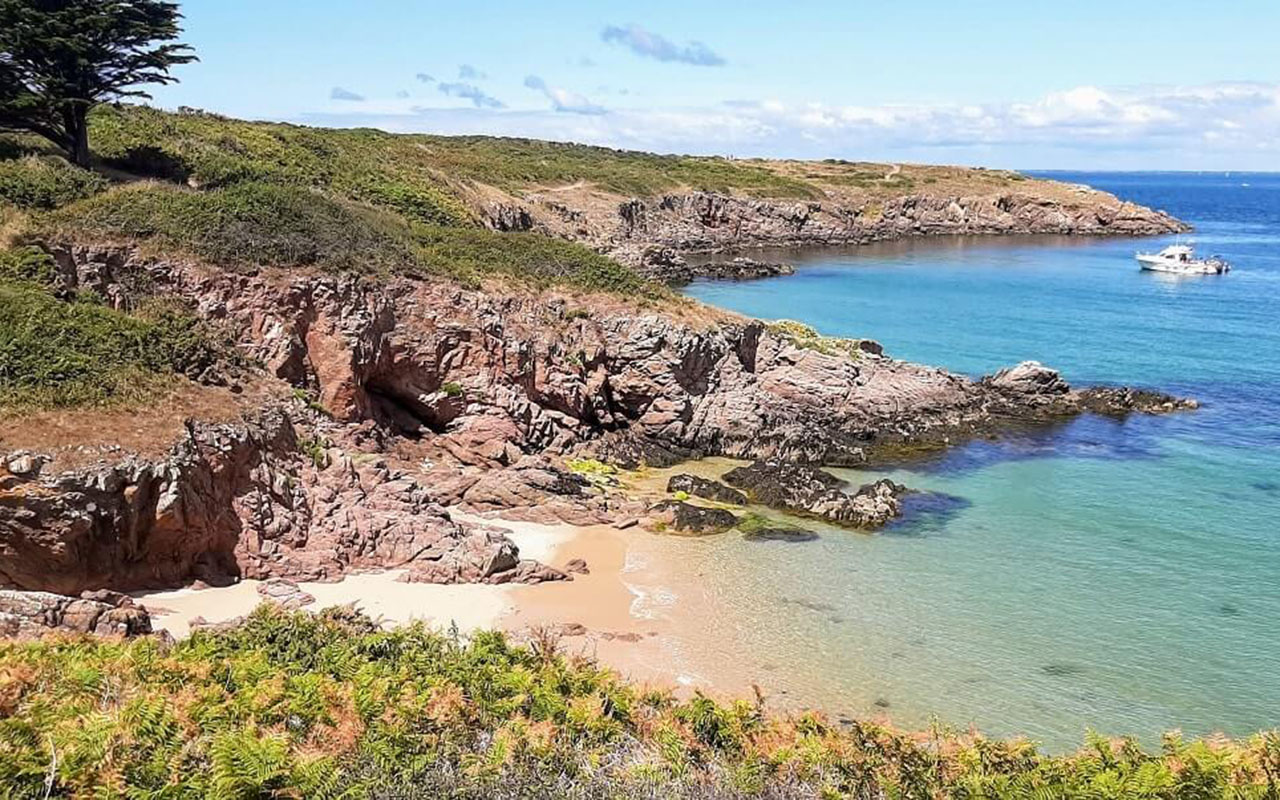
x: 705, y: 488
x: 809, y: 491
x: 228, y: 501
x: 654, y: 233
x: 33, y: 614
x: 661, y: 266
x: 685, y: 517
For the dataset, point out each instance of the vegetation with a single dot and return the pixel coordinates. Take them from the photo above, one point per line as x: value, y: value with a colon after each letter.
x: 416, y: 174
x: 60, y: 59
x: 58, y: 352
x: 805, y: 336
x: 296, y: 705
x: 262, y: 224
x: 45, y: 182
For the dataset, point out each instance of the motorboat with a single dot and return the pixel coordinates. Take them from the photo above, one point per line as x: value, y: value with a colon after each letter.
x: 1180, y: 259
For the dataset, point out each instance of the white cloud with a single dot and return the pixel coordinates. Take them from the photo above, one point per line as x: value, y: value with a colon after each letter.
x: 652, y: 45
x: 563, y: 100
x: 1223, y: 125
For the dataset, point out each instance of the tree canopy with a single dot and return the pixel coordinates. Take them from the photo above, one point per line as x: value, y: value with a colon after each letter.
x: 59, y: 58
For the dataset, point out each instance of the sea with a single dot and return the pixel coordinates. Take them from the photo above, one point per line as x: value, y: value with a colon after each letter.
x: 1121, y: 576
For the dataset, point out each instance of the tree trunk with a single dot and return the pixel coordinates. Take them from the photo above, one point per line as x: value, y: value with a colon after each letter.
x: 75, y: 121
x: 79, y: 135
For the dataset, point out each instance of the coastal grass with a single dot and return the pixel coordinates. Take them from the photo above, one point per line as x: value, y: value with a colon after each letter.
x: 330, y: 706
x: 34, y: 182
x: 257, y: 224
x: 418, y: 175
x: 71, y: 350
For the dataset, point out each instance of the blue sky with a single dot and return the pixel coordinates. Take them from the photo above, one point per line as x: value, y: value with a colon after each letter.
x: 1114, y: 85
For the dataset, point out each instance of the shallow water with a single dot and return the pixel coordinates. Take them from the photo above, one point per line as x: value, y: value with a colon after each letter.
x: 1119, y: 575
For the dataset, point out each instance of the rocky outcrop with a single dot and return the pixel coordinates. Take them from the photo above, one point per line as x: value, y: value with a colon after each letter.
x: 805, y: 490
x: 705, y: 488
x: 683, y: 517
x: 34, y: 614
x: 229, y: 501
x: 737, y: 269
x: 701, y: 222
x: 482, y: 392
x: 486, y: 379
x: 1033, y: 388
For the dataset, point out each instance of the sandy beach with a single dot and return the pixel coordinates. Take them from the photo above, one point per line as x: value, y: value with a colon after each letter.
x: 624, y: 613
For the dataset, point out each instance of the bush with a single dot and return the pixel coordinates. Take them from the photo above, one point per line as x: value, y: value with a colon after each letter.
x: 299, y: 705
x: 251, y: 224
x: 57, y: 353
x: 46, y: 182
x: 243, y: 225
x: 528, y: 257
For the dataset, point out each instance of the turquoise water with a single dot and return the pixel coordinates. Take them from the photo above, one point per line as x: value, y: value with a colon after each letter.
x: 1116, y: 575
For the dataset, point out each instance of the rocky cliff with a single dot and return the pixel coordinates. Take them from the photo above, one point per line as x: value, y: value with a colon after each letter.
x: 644, y: 231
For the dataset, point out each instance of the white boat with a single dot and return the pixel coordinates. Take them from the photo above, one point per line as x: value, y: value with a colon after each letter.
x: 1180, y: 259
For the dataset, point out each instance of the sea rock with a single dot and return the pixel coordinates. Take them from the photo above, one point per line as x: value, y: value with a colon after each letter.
x: 688, y: 518
x: 780, y: 534
x: 1119, y: 401
x: 738, y: 269
x: 705, y: 488
x: 1029, y: 378
x: 806, y: 490
x: 33, y: 614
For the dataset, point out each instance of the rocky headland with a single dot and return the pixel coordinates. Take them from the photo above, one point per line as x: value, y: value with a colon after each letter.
x: 655, y: 233
x: 401, y: 398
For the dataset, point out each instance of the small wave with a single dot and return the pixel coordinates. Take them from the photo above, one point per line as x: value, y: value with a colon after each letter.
x: 648, y: 602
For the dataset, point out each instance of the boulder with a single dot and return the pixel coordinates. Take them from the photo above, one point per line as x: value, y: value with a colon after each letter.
x: 779, y: 534
x: 285, y: 593
x: 1029, y: 378
x: 688, y: 518
x: 705, y: 488
x: 802, y: 489
x: 33, y: 614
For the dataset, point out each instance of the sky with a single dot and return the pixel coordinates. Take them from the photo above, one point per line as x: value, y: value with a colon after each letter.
x: 1125, y: 84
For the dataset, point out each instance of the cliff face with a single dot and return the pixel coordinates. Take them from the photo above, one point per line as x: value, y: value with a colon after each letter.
x: 628, y: 228
x: 229, y: 501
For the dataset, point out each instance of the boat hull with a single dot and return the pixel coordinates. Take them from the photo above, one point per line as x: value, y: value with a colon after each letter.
x: 1157, y: 264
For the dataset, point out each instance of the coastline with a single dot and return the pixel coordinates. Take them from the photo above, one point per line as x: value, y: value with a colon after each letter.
x: 623, y: 613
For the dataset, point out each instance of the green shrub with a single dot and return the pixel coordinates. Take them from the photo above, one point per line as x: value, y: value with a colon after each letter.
x: 250, y: 224
x: 27, y: 264
x: 452, y: 389
x: 57, y: 353
x: 242, y: 225
x: 46, y: 182
x: 300, y: 705
x: 529, y: 257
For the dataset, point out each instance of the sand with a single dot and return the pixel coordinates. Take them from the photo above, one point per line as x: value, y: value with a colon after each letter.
x: 626, y: 613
